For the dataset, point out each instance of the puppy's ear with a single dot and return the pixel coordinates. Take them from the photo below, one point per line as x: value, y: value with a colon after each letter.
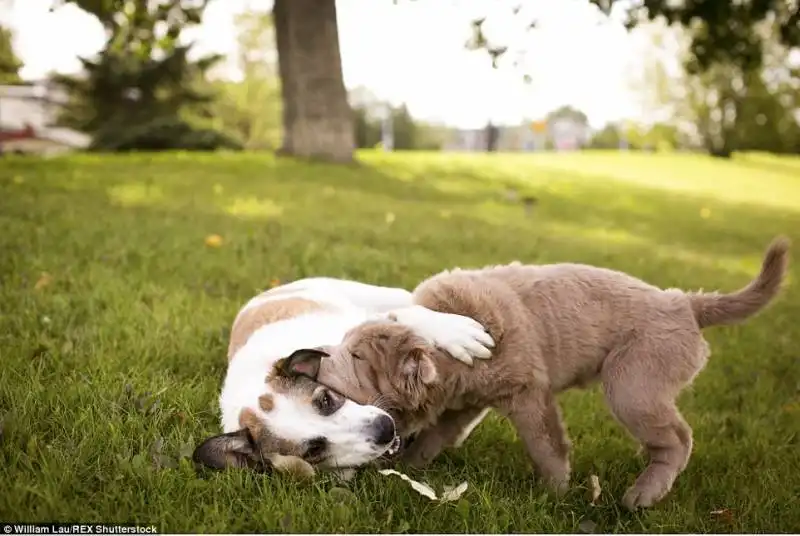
x: 418, y: 366
x: 303, y: 362
x: 224, y: 451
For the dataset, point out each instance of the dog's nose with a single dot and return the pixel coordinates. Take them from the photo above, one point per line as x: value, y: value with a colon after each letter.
x: 383, y: 429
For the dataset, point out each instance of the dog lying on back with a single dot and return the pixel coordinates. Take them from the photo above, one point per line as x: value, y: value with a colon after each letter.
x: 555, y: 327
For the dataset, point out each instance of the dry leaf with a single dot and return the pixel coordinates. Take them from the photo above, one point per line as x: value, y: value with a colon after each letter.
x: 419, y: 487
x: 329, y: 190
x: 445, y: 214
x: 44, y: 280
x: 390, y: 217
x: 594, y: 485
x: 724, y: 514
x: 274, y: 282
x: 449, y: 494
x: 214, y: 241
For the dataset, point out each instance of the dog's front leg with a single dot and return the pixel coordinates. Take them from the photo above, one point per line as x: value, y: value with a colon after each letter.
x: 460, y: 336
x: 536, y: 417
x: 447, y: 432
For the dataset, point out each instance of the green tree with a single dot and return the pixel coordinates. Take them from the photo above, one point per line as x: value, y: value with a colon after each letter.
x: 9, y: 62
x: 250, y: 109
x: 142, y: 89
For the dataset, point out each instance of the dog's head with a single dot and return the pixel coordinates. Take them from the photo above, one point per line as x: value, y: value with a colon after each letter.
x: 296, y: 418
x: 385, y: 364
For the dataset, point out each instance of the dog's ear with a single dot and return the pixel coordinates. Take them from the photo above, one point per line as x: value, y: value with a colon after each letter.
x: 418, y: 366
x: 303, y: 362
x: 224, y: 451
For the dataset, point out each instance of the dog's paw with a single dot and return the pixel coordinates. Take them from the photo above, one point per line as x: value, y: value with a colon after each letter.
x: 642, y: 497
x: 460, y: 336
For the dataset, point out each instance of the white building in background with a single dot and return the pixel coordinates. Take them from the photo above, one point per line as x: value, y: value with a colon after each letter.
x: 27, y: 113
x: 564, y: 134
x: 567, y: 134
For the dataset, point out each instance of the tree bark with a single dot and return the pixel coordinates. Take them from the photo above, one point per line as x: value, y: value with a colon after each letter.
x: 317, y: 119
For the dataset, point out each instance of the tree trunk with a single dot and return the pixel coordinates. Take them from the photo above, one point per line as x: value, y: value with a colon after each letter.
x: 317, y: 119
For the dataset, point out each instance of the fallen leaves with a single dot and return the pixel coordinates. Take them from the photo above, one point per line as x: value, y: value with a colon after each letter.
x: 214, y: 241
x: 44, y: 280
x: 449, y: 493
x: 724, y: 514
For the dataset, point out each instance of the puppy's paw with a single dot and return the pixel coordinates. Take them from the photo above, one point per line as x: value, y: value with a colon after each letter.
x: 460, y: 336
x: 642, y: 496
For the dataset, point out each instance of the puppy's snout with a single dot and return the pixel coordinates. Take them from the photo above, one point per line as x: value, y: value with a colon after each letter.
x: 383, y: 430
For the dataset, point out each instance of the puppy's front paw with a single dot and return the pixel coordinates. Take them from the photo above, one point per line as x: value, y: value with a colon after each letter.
x: 460, y: 336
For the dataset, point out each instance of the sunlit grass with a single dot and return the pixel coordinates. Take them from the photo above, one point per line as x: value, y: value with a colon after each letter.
x: 116, y: 305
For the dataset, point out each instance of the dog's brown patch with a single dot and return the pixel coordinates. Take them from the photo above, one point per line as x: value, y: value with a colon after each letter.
x: 248, y: 419
x: 266, y: 402
x: 253, y: 318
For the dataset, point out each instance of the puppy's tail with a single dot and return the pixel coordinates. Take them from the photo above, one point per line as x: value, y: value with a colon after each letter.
x: 712, y: 308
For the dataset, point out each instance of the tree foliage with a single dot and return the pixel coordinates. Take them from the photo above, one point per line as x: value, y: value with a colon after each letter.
x: 141, y: 88
x: 722, y: 31
x: 250, y: 108
x: 9, y: 62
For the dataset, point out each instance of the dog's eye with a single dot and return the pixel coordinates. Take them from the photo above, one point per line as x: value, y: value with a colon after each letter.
x: 356, y: 356
x: 326, y: 403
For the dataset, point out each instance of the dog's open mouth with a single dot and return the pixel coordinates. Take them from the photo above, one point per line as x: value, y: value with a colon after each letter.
x: 394, y: 446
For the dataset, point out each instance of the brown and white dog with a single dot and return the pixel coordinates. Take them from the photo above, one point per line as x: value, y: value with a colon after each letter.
x: 275, y: 418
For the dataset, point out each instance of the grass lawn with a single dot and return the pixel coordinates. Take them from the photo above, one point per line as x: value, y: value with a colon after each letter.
x: 115, y: 314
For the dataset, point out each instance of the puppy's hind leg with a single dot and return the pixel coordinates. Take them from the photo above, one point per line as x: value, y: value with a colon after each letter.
x: 641, y: 389
x: 537, y: 419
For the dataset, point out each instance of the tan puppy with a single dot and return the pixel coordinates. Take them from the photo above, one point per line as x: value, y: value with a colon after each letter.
x: 556, y: 326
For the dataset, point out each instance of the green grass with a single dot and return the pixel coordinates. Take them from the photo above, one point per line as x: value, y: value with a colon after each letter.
x: 111, y: 368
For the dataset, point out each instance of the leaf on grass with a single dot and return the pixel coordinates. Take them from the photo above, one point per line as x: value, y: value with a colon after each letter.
x: 390, y: 217
x: 67, y: 347
x: 594, y: 486
x: 419, y: 487
x: 214, y: 241
x: 274, y: 282
x: 450, y: 493
x: 724, y: 514
x: 44, y: 280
